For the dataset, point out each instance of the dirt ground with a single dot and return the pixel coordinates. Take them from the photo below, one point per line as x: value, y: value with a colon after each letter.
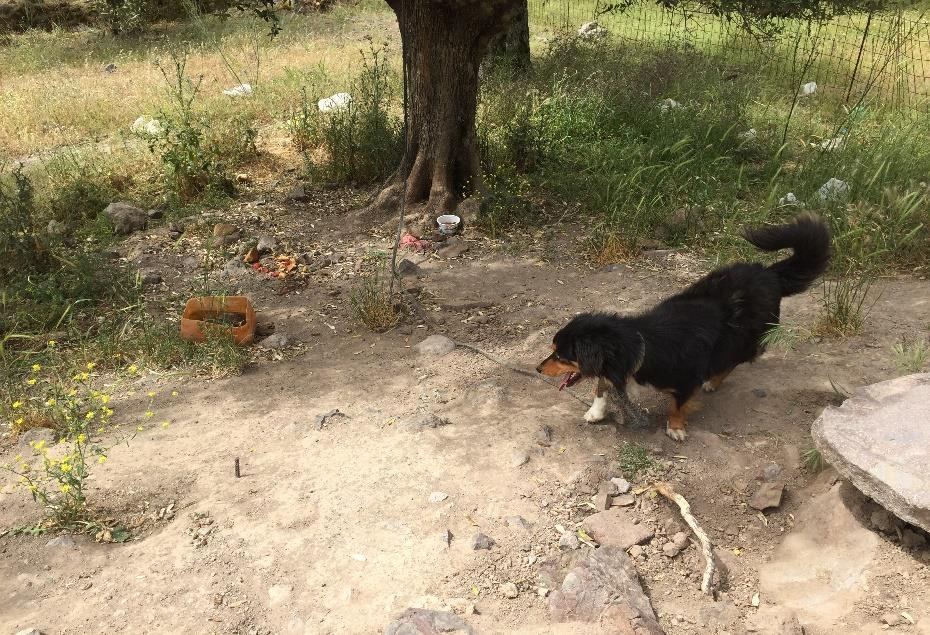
x: 333, y: 529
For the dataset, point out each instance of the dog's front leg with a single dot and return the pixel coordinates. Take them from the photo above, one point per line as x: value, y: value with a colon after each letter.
x: 633, y: 416
x: 598, y: 409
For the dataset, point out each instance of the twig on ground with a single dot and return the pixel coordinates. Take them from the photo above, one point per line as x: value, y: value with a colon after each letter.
x: 706, y: 546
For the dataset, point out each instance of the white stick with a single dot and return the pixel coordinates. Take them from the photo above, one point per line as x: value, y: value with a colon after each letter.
x: 706, y: 546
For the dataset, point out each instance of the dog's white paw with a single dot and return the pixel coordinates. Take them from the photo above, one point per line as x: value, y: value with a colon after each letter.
x: 708, y: 386
x: 677, y: 434
x: 595, y: 414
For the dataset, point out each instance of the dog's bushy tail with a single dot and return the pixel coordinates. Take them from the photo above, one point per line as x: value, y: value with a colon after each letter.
x: 809, y: 237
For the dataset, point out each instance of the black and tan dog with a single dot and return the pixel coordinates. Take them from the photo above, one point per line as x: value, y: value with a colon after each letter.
x: 698, y: 336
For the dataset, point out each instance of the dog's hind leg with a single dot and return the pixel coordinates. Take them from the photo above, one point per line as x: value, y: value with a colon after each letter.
x: 714, y: 382
x: 598, y: 409
x: 685, y: 404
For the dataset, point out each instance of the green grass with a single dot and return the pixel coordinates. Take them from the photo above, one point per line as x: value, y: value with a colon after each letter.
x: 911, y: 356
x: 633, y: 459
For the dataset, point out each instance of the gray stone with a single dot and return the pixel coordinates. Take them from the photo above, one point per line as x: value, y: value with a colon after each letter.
x: 767, y: 496
x: 519, y: 522
x: 615, y: 527
x: 266, y: 244
x: 297, y: 194
x: 436, y: 346
x: 604, y: 589
x: 481, y: 541
x: 423, y: 421
x: 109, y: 68
x: 891, y: 619
x: 543, y: 436
x: 275, y: 342
x: 427, y: 622
x: 509, y: 590
x: 879, y: 439
x: 680, y: 540
x: 760, y: 392
x: 636, y: 551
x: 623, y: 485
x: 519, y: 459
x: 149, y: 277
x: 771, y: 472
x: 438, y: 497
x: 624, y: 500
x: 407, y: 268
x: 607, y: 487
x: 670, y: 549
x: 126, y: 218
x: 453, y: 248
x: 62, y: 542
x: 155, y: 213
x: 602, y: 501
x: 569, y: 541
x: 30, y: 631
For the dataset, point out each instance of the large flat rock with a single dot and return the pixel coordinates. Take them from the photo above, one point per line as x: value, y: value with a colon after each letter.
x: 880, y: 440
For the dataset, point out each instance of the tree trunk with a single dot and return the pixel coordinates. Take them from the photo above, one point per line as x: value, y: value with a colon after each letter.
x: 512, y: 46
x: 444, y: 43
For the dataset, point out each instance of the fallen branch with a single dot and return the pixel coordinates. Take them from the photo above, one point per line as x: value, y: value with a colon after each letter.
x: 706, y: 546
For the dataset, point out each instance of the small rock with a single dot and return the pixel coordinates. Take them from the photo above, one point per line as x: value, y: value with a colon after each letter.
x: 760, y: 392
x: 771, y: 472
x: 912, y: 540
x: 616, y: 527
x: 445, y: 537
x: 420, y: 422
x: 481, y: 541
x: 327, y: 417
x: 266, y: 245
x: 63, y: 542
x: 767, y: 496
x: 636, y: 551
x: 670, y: 550
x: 406, y: 268
x: 602, y: 502
x: 542, y: 592
x: 833, y: 190
x: 591, y: 31
x: 509, y: 590
x: 30, y: 631
x: 126, y: 218
x: 224, y: 229
x: 109, y: 68
x: 607, y: 487
x: 544, y: 436
x: 519, y: 522
x: 275, y: 342
x: 149, y: 277
x: 297, y: 194
x: 427, y: 622
x: 569, y: 541
x: 755, y: 600
x: 155, y: 213
x: 891, y: 619
x: 436, y: 346
x: 519, y: 459
x: 455, y: 247
x: 624, y: 500
x: 56, y: 228
x: 680, y: 540
x: 438, y: 497
x: 86, y: 586
x: 623, y: 486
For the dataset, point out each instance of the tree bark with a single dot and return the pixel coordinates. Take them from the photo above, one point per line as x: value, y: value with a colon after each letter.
x: 444, y: 43
x: 512, y: 46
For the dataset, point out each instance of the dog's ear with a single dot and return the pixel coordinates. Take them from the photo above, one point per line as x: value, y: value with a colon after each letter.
x: 590, y: 358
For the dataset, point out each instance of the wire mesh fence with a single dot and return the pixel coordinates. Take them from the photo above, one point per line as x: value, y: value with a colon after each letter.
x: 874, y: 56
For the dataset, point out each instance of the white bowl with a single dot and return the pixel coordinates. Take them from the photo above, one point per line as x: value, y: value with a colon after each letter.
x: 448, y: 223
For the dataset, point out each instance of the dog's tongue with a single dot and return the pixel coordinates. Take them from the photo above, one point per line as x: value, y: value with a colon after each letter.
x: 566, y: 380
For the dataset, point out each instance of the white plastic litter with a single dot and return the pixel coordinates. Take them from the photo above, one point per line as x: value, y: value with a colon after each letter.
x: 749, y: 135
x: 591, y: 31
x: 241, y: 90
x: 147, y: 126
x: 808, y: 89
x: 789, y: 199
x: 836, y: 143
x: 832, y: 190
x: 668, y: 104
x: 339, y: 101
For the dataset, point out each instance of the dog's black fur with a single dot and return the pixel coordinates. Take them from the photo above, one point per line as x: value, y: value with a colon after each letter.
x: 706, y: 330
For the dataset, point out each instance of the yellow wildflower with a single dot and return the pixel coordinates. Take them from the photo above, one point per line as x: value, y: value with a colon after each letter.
x: 164, y: 424
x: 82, y: 438
x: 31, y: 381
x: 17, y: 404
x: 19, y: 421
x: 52, y: 342
x: 174, y: 393
x: 65, y: 467
x: 39, y: 445
x: 90, y: 415
x: 36, y: 368
x: 50, y: 402
x: 85, y: 376
x: 151, y: 395
x: 90, y: 365
x: 149, y: 414
x: 139, y: 428
x: 65, y: 488
x: 133, y: 369
x: 72, y: 392
x: 101, y: 459
x: 104, y: 398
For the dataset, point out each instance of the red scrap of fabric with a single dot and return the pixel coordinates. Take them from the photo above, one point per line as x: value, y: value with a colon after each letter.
x: 414, y: 243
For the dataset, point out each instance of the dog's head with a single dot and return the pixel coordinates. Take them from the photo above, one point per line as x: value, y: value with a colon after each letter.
x: 593, y: 345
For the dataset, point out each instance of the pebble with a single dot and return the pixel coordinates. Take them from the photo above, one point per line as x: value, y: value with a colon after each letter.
x: 670, y: 549
x: 298, y: 193
x: 767, y: 496
x: 622, y: 501
x: 30, y: 631
x: 544, y: 436
x: 275, y: 342
x: 519, y: 522
x: 446, y: 537
x: 109, y: 68
x: 759, y: 392
x: 602, y: 502
x: 891, y: 619
x: 569, y: 541
x: 149, y: 278
x: 509, y: 590
x: 771, y: 472
x: 438, y: 497
x: 542, y: 592
x: 436, y: 346
x: 66, y: 542
x: 680, y: 540
x: 637, y: 550
x: 519, y: 459
x: 623, y: 485
x: 481, y: 541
